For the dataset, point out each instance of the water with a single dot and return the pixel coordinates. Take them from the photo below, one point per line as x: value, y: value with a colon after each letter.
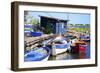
x: 69, y: 56
x: 63, y: 56
x: 88, y: 51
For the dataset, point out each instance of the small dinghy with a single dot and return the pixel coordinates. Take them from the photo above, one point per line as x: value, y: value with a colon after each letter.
x: 36, y: 34
x: 27, y: 29
x: 59, y: 45
x: 37, y: 54
x: 85, y: 38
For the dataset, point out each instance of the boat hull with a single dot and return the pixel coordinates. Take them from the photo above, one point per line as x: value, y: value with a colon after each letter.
x: 56, y: 51
x: 78, y: 48
x: 36, y: 34
x: 60, y: 48
x: 31, y: 57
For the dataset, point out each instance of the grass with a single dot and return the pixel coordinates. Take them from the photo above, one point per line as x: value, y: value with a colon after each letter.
x: 80, y: 29
x: 28, y: 29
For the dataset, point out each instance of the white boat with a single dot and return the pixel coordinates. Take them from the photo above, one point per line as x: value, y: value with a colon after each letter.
x: 59, y: 45
x: 73, y: 40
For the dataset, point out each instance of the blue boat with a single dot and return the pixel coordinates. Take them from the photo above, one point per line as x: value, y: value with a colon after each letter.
x: 37, y: 54
x: 60, y: 45
x: 85, y: 38
x: 28, y: 31
x: 35, y: 34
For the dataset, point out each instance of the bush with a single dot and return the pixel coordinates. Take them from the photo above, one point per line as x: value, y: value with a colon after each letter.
x: 48, y: 29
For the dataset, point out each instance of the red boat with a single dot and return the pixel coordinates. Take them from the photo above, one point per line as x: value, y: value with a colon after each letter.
x: 79, y: 47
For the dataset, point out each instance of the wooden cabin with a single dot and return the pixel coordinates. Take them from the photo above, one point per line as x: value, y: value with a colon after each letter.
x: 56, y: 26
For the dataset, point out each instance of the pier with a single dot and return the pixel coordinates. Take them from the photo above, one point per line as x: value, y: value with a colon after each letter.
x: 32, y: 40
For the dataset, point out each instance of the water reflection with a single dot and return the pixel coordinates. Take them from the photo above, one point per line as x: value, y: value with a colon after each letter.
x: 69, y: 56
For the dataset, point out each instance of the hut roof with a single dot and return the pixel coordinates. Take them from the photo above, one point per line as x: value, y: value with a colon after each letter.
x: 54, y: 18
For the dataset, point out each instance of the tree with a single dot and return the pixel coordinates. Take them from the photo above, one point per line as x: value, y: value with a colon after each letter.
x: 71, y: 25
x: 87, y: 25
x: 33, y: 21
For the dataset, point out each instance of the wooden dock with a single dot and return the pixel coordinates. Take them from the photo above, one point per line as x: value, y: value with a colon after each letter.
x: 33, y: 40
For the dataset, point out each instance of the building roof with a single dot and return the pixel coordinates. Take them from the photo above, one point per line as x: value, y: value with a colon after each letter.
x: 54, y: 18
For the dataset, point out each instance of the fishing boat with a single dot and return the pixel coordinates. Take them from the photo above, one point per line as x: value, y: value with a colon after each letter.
x: 59, y: 45
x: 85, y: 38
x: 35, y: 34
x: 72, y: 38
x: 37, y: 54
x: 46, y: 42
x: 78, y: 47
x: 27, y: 29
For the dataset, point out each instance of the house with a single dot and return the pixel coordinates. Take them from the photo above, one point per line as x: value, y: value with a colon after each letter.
x: 55, y: 25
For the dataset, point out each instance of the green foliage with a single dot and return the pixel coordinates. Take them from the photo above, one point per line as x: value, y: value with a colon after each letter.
x: 30, y: 29
x: 77, y: 25
x: 48, y: 29
x: 80, y: 27
x: 71, y: 25
x: 33, y: 21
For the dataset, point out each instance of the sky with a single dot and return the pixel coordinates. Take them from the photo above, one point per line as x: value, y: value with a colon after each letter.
x: 74, y: 18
